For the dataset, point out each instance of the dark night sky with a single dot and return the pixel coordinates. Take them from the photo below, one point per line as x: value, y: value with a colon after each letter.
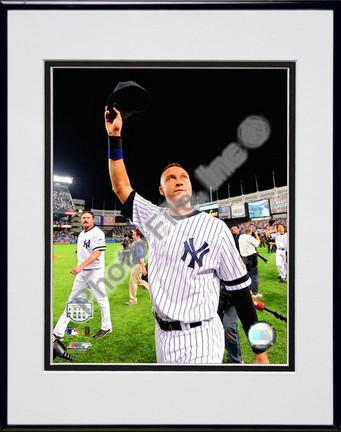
x: 193, y: 116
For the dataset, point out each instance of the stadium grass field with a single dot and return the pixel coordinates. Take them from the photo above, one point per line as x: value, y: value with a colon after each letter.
x: 132, y: 338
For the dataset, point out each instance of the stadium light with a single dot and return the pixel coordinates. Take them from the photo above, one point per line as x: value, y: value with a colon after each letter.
x: 61, y: 179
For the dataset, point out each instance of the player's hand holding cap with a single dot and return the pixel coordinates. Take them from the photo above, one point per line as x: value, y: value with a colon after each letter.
x: 128, y: 97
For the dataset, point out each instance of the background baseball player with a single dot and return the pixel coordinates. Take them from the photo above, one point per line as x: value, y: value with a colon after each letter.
x: 89, y: 274
x: 189, y: 252
x: 280, y: 237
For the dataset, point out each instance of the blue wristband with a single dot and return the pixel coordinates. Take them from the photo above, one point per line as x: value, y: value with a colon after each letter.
x: 115, y: 153
x: 115, y: 147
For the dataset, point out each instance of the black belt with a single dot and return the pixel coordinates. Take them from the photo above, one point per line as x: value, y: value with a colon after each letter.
x: 173, y: 325
x: 280, y: 248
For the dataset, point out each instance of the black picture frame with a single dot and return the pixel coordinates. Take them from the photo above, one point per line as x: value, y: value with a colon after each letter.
x: 16, y: 223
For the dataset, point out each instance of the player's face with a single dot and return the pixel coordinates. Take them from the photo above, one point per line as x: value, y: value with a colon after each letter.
x: 280, y: 229
x: 175, y: 185
x: 87, y: 221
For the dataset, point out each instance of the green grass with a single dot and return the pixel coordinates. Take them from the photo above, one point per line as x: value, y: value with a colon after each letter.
x: 132, y: 339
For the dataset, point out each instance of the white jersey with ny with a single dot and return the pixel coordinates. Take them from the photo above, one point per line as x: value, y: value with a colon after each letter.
x: 87, y: 243
x: 187, y: 258
x: 281, y: 241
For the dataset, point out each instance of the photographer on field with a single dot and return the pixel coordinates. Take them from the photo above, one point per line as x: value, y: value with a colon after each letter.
x: 248, y: 242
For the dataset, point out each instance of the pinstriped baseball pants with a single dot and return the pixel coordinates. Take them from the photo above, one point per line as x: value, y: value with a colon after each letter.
x: 203, y: 344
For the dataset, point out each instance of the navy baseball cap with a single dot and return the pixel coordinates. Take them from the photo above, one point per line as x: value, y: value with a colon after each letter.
x: 129, y: 98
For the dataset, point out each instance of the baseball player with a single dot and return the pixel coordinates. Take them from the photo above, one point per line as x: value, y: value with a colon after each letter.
x: 189, y: 252
x: 89, y: 273
x: 281, y: 252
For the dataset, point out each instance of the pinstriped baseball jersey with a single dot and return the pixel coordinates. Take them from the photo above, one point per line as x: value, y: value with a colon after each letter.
x: 188, y: 256
x: 88, y: 242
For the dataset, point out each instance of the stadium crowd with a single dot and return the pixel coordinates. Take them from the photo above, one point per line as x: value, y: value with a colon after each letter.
x: 260, y: 225
x: 62, y: 200
x: 119, y: 232
x: 64, y: 236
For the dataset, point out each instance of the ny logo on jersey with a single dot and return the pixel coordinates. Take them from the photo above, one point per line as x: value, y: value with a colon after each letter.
x: 197, y: 255
x: 86, y: 244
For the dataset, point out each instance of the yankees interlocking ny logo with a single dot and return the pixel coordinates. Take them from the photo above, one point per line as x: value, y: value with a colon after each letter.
x: 197, y: 255
x: 86, y: 244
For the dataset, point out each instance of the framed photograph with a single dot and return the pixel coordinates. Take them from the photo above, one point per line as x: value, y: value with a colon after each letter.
x: 253, y: 113
x: 258, y: 81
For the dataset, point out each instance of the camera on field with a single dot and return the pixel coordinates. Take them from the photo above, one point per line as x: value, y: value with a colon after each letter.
x: 60, y: 350
x: 262, y: 257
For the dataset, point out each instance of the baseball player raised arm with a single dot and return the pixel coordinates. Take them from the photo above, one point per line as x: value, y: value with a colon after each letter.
x: 189, y: 253
x: 118, y: 174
